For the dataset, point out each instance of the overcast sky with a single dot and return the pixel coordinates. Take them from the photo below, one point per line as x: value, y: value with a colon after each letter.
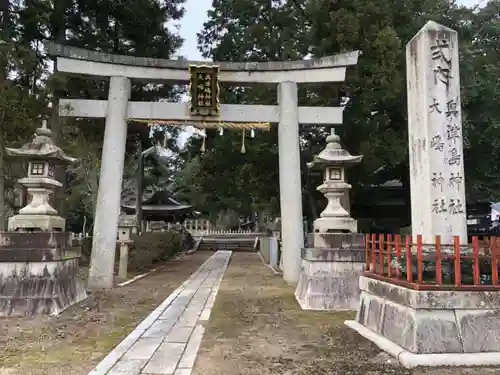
x: 196, y: 14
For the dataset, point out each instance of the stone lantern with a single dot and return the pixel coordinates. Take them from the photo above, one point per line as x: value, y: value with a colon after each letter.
x: 43, y: 156
x: 330, y: 269
x: 38, y: 272
x: 335, y: 160
x: 126, y: 225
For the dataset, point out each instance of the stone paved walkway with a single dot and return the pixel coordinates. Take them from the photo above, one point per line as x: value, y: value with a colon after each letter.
x: 167, y: 341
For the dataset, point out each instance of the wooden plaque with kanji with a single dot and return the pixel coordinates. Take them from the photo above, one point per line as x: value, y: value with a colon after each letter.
x: 204, y: 90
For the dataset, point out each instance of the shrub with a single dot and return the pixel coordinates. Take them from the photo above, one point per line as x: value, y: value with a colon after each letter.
x: 153, y: 247
x: 147, y: 249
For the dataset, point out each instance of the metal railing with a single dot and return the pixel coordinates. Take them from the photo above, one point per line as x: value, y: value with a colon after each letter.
x: 399, y: 260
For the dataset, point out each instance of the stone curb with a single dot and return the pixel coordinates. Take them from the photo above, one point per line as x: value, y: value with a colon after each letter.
x: 411, y: 360
x: 142, y: 275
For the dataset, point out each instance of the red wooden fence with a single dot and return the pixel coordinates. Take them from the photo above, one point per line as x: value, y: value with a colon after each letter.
x: 433, y: 266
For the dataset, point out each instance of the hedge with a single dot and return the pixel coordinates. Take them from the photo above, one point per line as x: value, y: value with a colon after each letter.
x: 151, y: 248
x: 148, y: 249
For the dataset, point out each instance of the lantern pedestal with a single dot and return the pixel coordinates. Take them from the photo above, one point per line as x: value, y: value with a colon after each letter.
x: 38, y: 214
x: 329, y: 276
x: 38, y: 275
x: 30, y: 223
x: 330, y: 269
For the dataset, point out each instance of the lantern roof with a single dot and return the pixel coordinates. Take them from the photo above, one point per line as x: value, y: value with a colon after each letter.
x: 41, y: 147
x: 334, y: 154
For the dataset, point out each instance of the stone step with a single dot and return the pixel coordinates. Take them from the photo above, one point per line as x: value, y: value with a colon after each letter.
x: 217, y: 248
x: 223, y: 245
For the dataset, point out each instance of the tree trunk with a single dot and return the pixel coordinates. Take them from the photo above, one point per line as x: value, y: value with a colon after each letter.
x: 139, y: 191
x: 3, y: 210
x: 309, y: 192
x: 58, y: 31
x: 4, y: 28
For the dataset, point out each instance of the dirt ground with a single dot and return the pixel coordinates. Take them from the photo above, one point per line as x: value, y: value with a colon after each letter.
x: 256, y: 327
x: 80, y: 337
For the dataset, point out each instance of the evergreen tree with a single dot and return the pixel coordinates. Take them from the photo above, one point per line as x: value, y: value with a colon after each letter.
x: 132, y: 27
x: 375, y: 120
x: 480, y: 80
x: 18, y: 104
x: 247, y: 31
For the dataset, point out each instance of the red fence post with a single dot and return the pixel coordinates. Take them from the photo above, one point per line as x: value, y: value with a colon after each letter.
x: 367, y: 252
x: 398, y: 254
x: 420, y: 272
x: 409, y: 268
x: 389, y: 251
x: 374, y: 259
x: 475, y: 260
x: 381, y: 254
x: 457, y: 262
x: 439, y: 271
x: 494, y: 260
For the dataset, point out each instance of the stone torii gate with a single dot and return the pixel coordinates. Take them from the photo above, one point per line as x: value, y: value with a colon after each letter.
x: 120, y: 70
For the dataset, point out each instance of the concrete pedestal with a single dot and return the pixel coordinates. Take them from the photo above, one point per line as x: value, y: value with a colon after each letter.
x: 430, y: 328
x: 329, y: 276
x: 37, y: 276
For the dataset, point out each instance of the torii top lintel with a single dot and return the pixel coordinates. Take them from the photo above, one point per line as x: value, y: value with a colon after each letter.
x: 79, y: 61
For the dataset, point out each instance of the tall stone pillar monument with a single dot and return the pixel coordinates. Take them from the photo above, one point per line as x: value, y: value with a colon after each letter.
x: 425, y: 321
x: 435, y: 135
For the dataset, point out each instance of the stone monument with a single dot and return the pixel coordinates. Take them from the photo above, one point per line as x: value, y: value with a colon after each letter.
x: 37, y: 274
x: 435, y: 136
x: 446, y: 325
x: 330, y: 270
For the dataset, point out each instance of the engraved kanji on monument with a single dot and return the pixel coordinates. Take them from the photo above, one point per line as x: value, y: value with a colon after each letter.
x: 435, y: 135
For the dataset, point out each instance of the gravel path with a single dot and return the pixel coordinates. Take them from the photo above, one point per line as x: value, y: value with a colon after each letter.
x: 257, y: 327
x: 74, y: 342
